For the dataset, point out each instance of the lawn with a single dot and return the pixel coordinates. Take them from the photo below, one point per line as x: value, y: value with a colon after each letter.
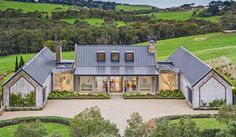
x: 51, y: 128
x: 29, y: 7
x: 132, y: 7
x: 206, y: 123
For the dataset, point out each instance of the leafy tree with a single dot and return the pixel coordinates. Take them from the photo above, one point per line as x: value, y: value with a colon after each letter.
x: 90, y: 123
x: 227, y: 113
x: 136, y: 127
x: 22, y: 62
x: 229, y: 132
x: 16, y: 64
x: 31, y: 130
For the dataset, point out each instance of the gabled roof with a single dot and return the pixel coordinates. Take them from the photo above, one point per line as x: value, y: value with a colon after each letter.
x: 86, y: 60
x: 191, y: 67
x: 39, y: 68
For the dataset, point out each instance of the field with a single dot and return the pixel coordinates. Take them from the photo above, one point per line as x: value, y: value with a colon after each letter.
x: 206, y: 123
x: 132, y: 7
x: 206, y: 47
x: 180, y: 16
x: 51, y: 128
x: 29, y: 7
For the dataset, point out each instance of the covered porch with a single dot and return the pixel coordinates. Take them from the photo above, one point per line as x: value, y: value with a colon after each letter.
x: 116, y: 84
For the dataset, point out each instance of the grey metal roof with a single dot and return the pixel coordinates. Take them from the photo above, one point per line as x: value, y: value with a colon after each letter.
x: 167, y: 66
x: 191, y: 67
x: 116, y: 71
x: 87, y: 64
x: 39, y: 68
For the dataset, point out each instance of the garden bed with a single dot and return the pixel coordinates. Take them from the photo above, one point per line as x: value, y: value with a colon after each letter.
x: 176, y: 94
x: 74, y: 95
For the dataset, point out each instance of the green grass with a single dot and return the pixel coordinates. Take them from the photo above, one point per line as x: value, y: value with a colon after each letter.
x: 70, y: 21
x: 206, y: 123
x: 132, y: 7
x: 180, y: 16
x: 29, y: 7
x: 51, y: 128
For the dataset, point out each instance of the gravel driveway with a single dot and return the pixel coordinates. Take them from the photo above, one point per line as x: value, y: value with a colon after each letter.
x: 116, y: 109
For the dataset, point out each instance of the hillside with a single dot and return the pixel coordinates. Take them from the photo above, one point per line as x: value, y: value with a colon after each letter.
x: 29, y: 7
x: 133, y: 7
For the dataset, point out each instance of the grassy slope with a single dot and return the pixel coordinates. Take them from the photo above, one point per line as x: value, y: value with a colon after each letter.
x: 206, y: 123
x: 29, y: 7
x: 132, y: 7
x: 181, y: 16
x: 51, y: 128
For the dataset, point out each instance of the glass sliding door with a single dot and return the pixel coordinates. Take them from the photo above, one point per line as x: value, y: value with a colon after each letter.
x: 130, y: 84
x: 101, y: 84
x: 116, y: 84
x: 145, y: 84
x: 86, y: 84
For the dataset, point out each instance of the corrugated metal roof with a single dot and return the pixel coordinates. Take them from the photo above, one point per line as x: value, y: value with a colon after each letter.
x: 167, y: 66
x: 39, y: 68
x: 191, y: 67
x: 116, y: 71
x: 87, y: 56
x: 87, y: 64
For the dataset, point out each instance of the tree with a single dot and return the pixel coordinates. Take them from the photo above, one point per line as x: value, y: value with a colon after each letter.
x: 16, y: 64
x: 22, y: 62
x: 31, y: 130
x: 90, y: 123
x: 136, y: 127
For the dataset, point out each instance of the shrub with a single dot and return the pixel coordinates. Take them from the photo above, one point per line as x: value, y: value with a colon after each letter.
x: 31, y: 130
x: 227, y: 113
x: 136, y: 127
x: 51, y: 119
x: 91, y: 123
x: 18, y: 100
x: 70, y: 94
x: 209, y: 132
x: 168, y: 93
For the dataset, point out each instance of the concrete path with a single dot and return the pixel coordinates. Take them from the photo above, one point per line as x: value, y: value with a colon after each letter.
x: 117, y: 110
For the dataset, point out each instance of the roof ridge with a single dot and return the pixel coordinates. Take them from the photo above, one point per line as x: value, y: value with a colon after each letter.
x: 34, y: 57
x: 114, y: 45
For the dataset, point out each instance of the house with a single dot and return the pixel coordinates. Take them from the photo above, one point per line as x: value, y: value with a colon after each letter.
x: 114, y: 69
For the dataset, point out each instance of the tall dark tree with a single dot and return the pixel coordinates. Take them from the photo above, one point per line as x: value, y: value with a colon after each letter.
x: 16, y: 65
x: 22, y: 62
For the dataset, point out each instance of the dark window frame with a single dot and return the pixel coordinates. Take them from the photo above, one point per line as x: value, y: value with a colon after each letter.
x: 126, y: 59
x: 118, y: 57
x: 98, y: 56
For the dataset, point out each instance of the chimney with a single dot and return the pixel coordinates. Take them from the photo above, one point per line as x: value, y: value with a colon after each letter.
x: 58, y: 54
x: 152, y: 46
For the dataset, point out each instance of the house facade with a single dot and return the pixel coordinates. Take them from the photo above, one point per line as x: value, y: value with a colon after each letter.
x: 114, y: 69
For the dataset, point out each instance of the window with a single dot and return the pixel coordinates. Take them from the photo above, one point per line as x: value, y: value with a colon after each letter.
x: 86, y: 84
x: 101, y: 84
x: 130, y: 84
x: 115, y: 56
x: 129, y: 56
x: 101, y: 56
x: 145, y: 84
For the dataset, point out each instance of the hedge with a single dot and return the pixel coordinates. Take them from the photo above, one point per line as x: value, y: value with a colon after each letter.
x: 74, y: 95
x: 46, y: 119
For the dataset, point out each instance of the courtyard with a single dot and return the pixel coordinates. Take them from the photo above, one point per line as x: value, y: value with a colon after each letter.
x: 116, y: 109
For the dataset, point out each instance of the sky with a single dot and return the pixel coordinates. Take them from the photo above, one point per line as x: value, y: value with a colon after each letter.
x: 163, y: 3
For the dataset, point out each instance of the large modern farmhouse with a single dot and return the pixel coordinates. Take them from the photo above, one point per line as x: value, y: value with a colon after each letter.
x: 114, y: 69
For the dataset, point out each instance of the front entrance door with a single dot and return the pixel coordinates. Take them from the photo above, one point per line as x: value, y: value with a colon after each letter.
x: 116, y: 84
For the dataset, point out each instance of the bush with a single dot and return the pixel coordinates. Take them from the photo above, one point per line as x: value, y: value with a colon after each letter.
x: 90, y: 123
x: 34, y: 129
x: 136, y: 127
x: 168, y: 93
x: 50, y: 119
x: 209, y: 132
x: 76, y: 95
x: 18, y: 100
x: 227, y: 113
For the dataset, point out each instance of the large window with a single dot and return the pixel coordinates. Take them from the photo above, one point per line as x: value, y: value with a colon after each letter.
x: 145, y: 84
x: 129, y: 56
x: 63, y: 82
x: 115, y: 56
x: 101, y: 84
x: 101, y: 56
x: 130, y: 84
x: 86, y: 84
x: 168, y: 81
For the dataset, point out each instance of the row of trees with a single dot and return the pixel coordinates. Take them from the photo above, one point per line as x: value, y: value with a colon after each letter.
x: 90, y: 123
x: 18, y: 13
x: 30, y: 35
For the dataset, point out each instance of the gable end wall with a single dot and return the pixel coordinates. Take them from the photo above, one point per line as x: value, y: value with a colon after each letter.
x: 16, y: 83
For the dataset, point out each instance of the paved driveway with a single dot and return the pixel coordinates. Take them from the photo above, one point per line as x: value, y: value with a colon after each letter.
x: 116, y: 109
